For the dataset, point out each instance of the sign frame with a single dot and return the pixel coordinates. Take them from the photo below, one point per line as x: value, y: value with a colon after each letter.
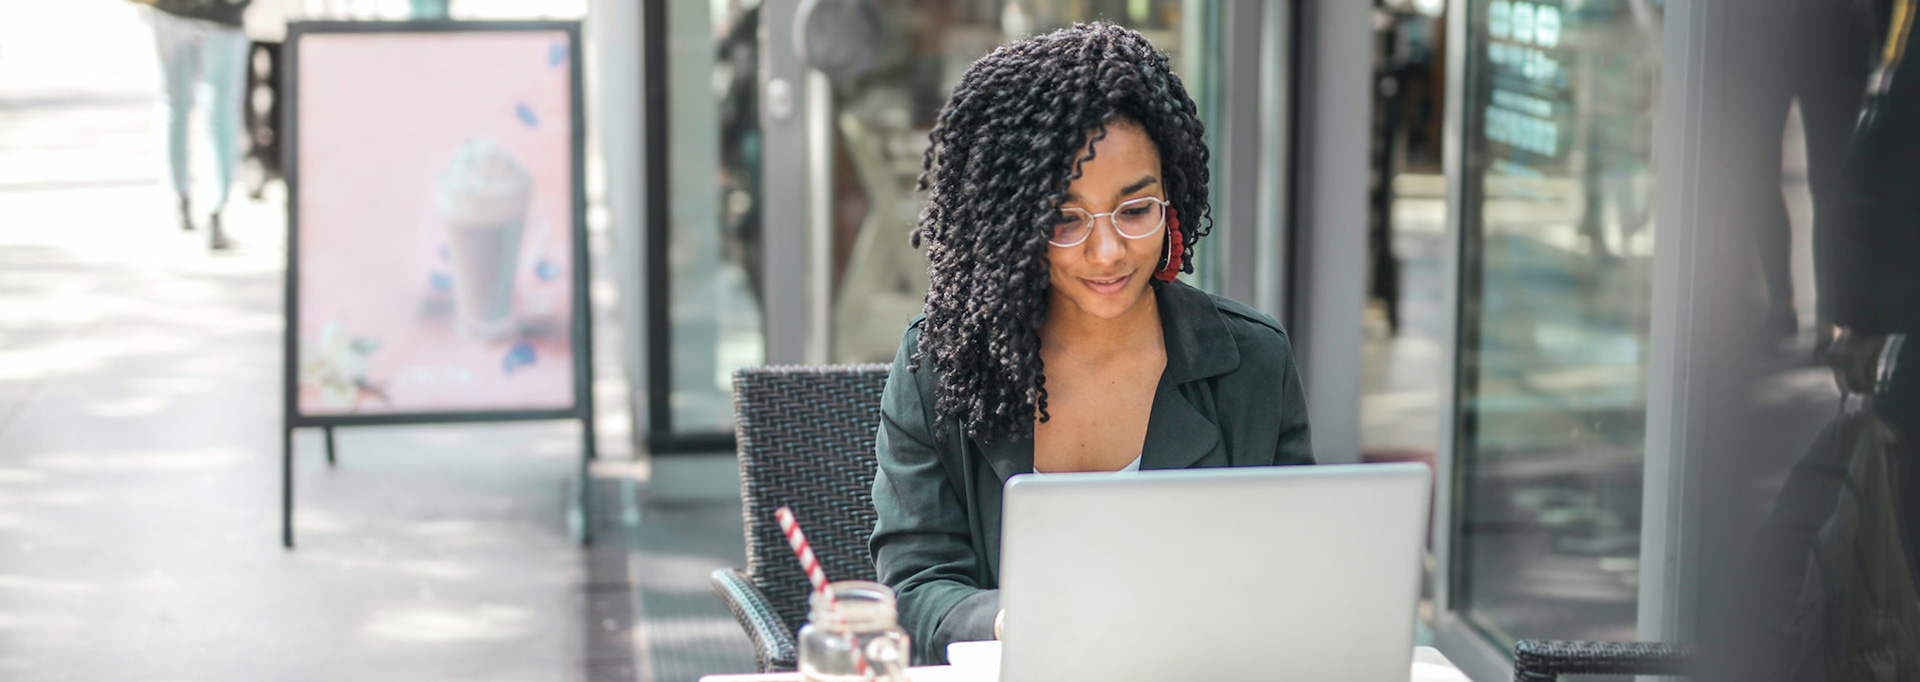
x: 580, y: 324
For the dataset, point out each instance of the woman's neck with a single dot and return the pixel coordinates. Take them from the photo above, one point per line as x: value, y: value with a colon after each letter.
x: 1090, y: 339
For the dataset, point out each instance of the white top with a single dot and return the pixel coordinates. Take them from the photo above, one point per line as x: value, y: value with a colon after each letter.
x: 1131, y: 466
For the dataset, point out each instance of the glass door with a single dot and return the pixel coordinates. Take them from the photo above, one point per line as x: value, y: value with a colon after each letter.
x: 703, y: 216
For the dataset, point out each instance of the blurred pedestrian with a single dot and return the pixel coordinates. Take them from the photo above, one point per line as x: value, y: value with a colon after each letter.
x: 1827, y: 586
x: 201, y: 42
x: 1833, y: 47
x: 1874, y: 256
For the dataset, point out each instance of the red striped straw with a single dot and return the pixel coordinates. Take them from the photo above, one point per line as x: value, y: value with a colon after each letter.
x: 809, y: 563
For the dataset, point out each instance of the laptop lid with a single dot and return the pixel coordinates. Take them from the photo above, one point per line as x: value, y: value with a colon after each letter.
x: 1307, y: 572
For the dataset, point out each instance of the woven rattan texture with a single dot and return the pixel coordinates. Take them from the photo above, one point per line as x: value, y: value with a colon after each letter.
x: 1537, y: 660
x: 773, y: 646
x: 806, y: 441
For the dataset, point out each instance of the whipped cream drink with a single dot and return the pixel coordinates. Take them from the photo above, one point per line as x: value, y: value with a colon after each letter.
x: 483, y: 198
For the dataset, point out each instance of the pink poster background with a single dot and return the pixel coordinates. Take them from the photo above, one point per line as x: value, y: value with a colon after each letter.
x: 380, y: 116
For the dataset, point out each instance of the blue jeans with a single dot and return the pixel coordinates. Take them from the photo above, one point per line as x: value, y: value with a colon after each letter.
x: 430, y: 9
x: 193, y: 52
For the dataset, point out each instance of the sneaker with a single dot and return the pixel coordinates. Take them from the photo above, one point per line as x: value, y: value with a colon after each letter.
x: 186, y: 216
x: 218, y: 240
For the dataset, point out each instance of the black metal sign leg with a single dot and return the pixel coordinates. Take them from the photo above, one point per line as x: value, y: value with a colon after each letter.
x: 585, y: 500
x: 286, y: 487
x: 330, y: 460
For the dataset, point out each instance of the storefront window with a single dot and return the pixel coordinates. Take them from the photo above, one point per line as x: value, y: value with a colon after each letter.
x: 1556, y: 278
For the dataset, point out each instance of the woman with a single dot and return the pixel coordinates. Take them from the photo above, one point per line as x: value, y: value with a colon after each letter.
x: 1067, y: 185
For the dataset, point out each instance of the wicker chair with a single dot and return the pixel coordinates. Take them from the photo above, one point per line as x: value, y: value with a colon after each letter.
x: 806, y: 437
x: 1536, y: 660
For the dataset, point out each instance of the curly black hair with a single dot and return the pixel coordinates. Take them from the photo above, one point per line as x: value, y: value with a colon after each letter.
x: 1002, y: 154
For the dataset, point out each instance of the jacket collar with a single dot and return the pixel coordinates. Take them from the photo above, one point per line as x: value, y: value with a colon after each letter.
x: 1198, y: 343
x: 1178, y: 434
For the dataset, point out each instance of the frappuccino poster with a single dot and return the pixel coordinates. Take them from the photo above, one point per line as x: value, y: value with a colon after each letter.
x: 435, y: 222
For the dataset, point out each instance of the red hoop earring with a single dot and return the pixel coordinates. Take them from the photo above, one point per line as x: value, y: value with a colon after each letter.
x: 1171, y: 261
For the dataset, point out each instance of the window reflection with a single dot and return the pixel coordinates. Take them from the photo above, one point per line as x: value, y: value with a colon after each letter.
x: 713, y: 149
x: 882, y: 117
x: 1406, y: 237
x: 1556, y: 284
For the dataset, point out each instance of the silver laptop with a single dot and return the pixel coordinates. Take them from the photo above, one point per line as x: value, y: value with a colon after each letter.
x: 1281, y: 573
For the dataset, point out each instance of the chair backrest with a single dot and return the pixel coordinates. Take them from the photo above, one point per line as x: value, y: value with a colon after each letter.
x: 806, y: 441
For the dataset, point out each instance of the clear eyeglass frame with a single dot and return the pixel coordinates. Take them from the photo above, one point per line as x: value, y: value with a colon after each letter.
x: 1078, y: 232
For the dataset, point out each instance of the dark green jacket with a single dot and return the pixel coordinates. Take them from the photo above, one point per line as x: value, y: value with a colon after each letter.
x: 1230, y: 396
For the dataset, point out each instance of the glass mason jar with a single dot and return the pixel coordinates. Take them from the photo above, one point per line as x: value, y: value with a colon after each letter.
x: 859, y: 623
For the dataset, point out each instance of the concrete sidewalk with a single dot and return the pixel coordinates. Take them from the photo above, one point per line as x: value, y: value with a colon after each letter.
x: 140, y: 384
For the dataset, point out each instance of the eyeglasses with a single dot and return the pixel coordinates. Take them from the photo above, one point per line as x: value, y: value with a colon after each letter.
x: 1134, y: 219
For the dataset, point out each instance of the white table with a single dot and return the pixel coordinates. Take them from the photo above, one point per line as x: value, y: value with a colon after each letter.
x: 979, y: 662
